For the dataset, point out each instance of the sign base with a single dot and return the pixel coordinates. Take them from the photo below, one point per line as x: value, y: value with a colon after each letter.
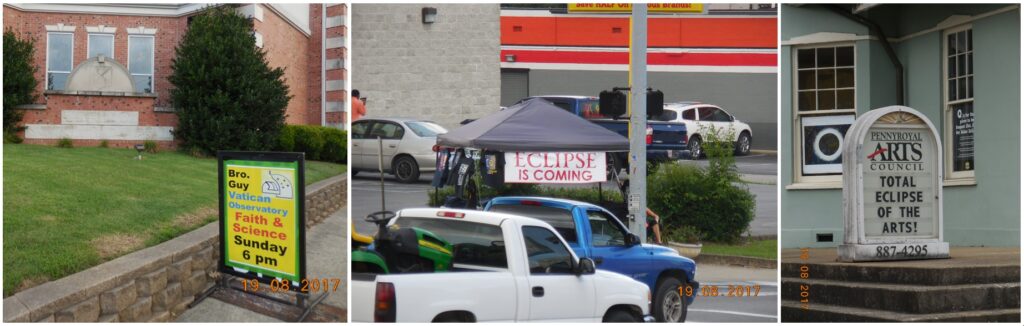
x: 893, y: 251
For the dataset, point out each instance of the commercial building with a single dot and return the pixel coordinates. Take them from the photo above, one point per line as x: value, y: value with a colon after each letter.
x: 725, y: 55
x: 103, y: 68
x: 960, y: 68
x: 431, y: 61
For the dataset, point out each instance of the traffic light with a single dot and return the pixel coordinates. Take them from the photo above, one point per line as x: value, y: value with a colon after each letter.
x: 655, y: 102
x: 612, y: 103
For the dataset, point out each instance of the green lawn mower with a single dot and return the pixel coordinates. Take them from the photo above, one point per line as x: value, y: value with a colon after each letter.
x: 399, y: 250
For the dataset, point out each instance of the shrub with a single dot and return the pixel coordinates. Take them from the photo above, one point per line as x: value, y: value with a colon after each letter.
x: 19, y: 82
x: 286, y: 139
x: 309, y: 140
x: 335, y: 145
x: 149, y: 146
x: 65, y: 143
x: 226, y: 95
x: 685, y: 195
x: 719, y: 149
x: 104, y: 144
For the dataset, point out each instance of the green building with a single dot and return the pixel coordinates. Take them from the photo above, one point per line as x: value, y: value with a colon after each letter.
x: 960, y: 67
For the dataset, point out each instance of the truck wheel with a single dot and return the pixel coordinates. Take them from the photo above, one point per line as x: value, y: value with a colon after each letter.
x: 406, y: 170
x: 743, y: 144
x: 669, y: 305
x: 696, y: 148
x: 620, y: 316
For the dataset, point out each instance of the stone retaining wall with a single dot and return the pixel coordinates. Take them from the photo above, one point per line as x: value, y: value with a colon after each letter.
x: 155, y: 284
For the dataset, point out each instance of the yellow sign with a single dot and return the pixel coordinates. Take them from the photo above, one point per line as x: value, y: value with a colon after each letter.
x: 261, y: 218
x: 628, y: 7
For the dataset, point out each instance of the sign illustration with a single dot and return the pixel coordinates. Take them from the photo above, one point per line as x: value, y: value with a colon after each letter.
x: 262, y: 219
x: 892, y: 188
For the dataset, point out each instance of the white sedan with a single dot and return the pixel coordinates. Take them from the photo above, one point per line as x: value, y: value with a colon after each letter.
x: 701, y: 118
x: 407, y: 146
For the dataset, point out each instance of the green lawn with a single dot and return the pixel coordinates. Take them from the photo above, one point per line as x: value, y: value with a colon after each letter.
x: 64, y: 207
x: 760, y: 248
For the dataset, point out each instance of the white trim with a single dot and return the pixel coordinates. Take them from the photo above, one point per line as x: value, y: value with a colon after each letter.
x: 252, y: 11
x: 46, y: 73
x: 649, y: 50
x: 334, y: 21
x: 88, y: 44
x: 962, y: 177
x: 650, y: 68
x: 141, y: 30
x: 259, y: 39
x: 60, y: 27
x: 659, y: 15
x: 152, y: 64
x: 101, y: 29
x: 124, y: 9
x: 953, y: 21
x: 826, y: 37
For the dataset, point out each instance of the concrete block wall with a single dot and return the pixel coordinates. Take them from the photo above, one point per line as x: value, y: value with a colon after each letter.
x: 155, y: 284
x: 446, y: 71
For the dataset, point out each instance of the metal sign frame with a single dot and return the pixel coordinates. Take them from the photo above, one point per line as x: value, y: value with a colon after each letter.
x: 282, y: 157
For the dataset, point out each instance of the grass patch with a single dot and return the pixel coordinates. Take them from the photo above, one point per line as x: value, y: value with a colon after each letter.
x: 68, y: 209
x: 767, y: 249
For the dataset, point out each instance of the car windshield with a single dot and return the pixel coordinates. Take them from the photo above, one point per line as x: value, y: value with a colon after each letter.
x: 426, y: 128
x: 473, y: 243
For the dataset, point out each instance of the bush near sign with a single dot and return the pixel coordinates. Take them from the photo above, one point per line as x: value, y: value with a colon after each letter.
x: 892, y: 188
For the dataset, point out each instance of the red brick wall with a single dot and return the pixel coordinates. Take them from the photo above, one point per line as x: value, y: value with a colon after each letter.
x: 316, y: 61
x: 284, y: 45
x: 57, y: 103
x: 170, y: 30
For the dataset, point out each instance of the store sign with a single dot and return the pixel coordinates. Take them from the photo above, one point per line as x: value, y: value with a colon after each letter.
x: 261, y: 216
x: 892, y: 188
x: 555, y: 167
x: 628, y: 7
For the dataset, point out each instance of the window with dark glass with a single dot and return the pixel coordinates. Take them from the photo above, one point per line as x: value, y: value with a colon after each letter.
x: 545, y: 252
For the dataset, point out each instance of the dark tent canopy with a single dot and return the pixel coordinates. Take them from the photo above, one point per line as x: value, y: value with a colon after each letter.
x: 534, y: 126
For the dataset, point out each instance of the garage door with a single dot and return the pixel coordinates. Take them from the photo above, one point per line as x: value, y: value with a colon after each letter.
x: 515, y: 85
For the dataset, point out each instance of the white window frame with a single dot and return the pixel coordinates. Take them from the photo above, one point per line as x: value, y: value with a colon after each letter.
x: 152, y: 61
x: 951, y: 177
x: 46, y: 75
x: 88, y: 43
x: 801, y: 181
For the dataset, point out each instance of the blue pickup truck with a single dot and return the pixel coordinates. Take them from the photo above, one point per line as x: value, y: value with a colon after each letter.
x: 595, y: 233
x: 665, y: 140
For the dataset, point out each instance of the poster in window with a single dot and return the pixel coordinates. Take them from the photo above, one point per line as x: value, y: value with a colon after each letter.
x: 963, y: 137
x: 823, y: 143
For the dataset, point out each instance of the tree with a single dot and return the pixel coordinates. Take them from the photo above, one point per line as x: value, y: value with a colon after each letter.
x: 19, y: 82
x: 225, y: 94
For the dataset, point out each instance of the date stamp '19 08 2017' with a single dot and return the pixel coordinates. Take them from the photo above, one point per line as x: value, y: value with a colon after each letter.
x: 805, y: 273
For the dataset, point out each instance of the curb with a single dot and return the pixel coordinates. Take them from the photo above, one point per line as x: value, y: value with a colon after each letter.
x: 764, y: 151
x: 759, y: 179
x: 737, y: 261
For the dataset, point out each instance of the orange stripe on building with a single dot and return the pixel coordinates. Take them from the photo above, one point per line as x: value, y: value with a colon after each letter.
x: 689, y: 32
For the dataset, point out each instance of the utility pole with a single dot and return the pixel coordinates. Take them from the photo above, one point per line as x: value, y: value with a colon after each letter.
x: 637, y: 200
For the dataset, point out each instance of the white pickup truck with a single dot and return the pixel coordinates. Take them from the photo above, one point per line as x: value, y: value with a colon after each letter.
x: 506, y: 268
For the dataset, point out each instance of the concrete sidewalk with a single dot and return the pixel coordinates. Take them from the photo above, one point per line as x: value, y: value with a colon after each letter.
x: 327, y: 258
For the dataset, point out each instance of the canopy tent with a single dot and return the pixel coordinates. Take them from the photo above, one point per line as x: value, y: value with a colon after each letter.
x: 535, y: 125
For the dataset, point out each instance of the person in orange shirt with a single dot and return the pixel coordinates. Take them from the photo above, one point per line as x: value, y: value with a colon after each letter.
x: 358, y: 108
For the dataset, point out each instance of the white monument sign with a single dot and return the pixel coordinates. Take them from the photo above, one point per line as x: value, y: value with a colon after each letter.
x: 892, y: 188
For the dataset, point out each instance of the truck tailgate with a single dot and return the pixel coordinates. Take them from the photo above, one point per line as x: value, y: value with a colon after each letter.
x: 490, y: 296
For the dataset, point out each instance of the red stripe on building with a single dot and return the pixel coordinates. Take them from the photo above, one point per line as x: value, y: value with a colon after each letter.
x: 676, y: 59
x: 684, y: 32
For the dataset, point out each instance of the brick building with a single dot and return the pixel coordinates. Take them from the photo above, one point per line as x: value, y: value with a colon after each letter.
x: 103, y: 68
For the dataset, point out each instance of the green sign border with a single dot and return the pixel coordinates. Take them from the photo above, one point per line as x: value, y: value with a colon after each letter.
x: 294, y: 161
